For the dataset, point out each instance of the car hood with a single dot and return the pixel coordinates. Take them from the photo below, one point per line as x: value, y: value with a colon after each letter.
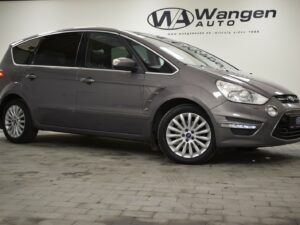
x: 264, y: 87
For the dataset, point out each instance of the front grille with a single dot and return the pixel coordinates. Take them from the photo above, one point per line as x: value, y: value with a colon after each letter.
x: 287, y: 98
x: 287, y: 127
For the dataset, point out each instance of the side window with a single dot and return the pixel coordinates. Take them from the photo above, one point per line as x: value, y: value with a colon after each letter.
x: 24, y: 52
x: 58, y: 49
x: 152, y: 61
x: 102, y: 49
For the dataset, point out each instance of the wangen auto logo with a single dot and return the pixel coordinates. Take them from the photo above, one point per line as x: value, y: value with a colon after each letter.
x: 177, y: 18
x: 170, y: 18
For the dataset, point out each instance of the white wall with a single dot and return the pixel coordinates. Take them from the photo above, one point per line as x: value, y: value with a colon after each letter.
x: 273, y: 53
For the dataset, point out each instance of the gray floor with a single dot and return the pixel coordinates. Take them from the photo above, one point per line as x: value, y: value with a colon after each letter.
x: 66, y: 179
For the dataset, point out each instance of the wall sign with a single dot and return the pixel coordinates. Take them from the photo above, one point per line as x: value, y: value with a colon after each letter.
x: 178, y: 18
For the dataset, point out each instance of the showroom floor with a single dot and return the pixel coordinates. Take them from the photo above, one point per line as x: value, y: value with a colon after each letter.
x: 67, y: 179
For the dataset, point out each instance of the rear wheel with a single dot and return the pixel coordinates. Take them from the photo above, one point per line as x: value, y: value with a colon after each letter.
x: 17, y: 123
x: 186, y: 135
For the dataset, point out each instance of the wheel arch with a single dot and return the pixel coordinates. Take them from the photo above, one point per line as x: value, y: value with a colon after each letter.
x: 7, y: 99
x: 169, y: 104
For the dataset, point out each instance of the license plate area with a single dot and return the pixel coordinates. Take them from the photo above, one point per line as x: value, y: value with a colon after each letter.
x: 298, y: 120
x: 294, y: 122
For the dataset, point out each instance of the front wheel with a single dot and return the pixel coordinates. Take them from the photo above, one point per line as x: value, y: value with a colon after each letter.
x: 17, y: 123
x: 186, y: 135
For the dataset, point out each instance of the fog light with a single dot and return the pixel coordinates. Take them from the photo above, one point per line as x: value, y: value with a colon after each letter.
x: 239, y: 125
x: 272, y: 111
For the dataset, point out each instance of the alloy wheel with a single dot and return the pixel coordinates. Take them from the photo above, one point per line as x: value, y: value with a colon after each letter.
x: 188, y: 135
x: 15, y: 121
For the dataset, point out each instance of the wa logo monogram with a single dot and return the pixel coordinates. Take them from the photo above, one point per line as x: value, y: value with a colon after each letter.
x: 170, y: 18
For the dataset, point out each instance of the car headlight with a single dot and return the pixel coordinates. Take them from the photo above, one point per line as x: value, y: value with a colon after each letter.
x: 237, y: 93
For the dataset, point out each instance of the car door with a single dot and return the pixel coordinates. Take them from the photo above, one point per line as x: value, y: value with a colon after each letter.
x: 108, y: 100
x: 49, y: 82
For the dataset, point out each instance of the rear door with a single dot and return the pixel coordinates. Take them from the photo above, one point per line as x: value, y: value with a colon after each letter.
x: 49, y: 82
x: 113, y: 101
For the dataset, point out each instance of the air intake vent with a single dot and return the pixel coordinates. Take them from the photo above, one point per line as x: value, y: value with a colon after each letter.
x: 287, y: 98
x: 288, y: 127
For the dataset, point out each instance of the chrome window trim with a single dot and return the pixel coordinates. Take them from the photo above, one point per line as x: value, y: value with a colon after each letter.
x: 107, y: 70
x: 45, y: 35
x: 88, y: 30
x: 58, y: 32
x: 49, y: 66
x: 74, y: 67
x: 14, y: 44
x: 156, y: 73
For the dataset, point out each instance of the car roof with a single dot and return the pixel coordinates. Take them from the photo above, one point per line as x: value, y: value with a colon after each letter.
x: 74, y: 29
x: 89, y: 29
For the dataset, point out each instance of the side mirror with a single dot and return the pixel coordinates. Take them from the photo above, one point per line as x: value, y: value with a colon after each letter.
x: 124, y: 64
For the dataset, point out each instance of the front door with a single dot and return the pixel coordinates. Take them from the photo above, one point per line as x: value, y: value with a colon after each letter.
x: 108, y: 100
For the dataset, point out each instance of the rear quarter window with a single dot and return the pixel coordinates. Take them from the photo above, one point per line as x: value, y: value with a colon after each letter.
x: 23, y: 53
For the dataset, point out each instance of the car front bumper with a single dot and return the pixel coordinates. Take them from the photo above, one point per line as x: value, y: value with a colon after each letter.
x: 243, y: 125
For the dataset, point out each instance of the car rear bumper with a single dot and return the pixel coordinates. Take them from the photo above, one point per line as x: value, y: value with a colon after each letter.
x: 242, y: 125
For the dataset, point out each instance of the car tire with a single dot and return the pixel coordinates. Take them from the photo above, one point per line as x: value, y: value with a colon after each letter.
x: 17, y: 122
x: 186, y: 135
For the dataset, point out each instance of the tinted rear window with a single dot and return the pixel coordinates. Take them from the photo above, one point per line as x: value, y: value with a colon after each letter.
x: 24, y: 52
x: 58, y: 50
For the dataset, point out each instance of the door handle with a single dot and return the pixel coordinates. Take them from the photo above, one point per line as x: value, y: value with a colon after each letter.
x: 31, y: 76
x: 88, y: 80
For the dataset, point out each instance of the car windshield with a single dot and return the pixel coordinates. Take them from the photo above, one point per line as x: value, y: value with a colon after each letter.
x: 188, y: 54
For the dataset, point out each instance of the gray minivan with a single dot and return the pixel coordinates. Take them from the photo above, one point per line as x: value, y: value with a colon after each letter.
x: 113, y: 83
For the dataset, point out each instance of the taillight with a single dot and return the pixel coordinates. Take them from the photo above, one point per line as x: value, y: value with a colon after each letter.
x: 2, y: 74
